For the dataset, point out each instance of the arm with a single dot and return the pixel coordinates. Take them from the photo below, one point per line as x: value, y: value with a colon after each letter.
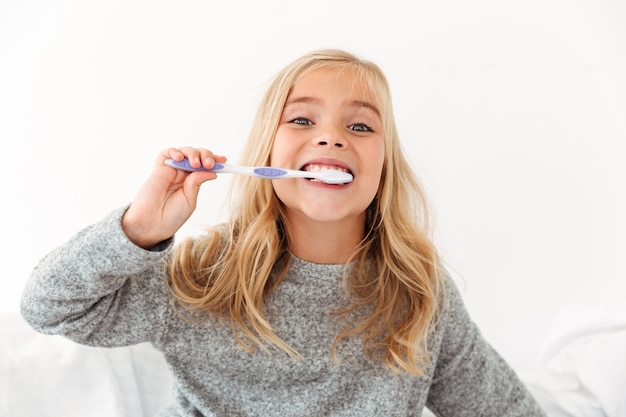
x: 99, y: 288
x: 106, y: 285
x: 471, y: 378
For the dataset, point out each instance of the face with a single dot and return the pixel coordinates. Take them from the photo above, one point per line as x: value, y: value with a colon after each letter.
x: 329, y: 122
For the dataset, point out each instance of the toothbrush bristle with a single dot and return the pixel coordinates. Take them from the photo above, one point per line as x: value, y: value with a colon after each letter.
x: 336, y: 177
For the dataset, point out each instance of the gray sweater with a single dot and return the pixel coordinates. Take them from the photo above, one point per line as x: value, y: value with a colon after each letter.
x: 101, y: 290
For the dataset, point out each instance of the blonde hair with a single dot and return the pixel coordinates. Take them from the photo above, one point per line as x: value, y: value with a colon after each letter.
x: 394, y: 273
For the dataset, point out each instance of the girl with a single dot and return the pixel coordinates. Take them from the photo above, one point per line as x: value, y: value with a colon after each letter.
x: 314, y: 299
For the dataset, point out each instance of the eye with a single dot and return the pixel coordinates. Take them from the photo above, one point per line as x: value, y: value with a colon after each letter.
x: 360, y: 127
x: 303, y: 121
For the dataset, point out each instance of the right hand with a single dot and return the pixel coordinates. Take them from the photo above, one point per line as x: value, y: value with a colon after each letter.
x: 168, y: 198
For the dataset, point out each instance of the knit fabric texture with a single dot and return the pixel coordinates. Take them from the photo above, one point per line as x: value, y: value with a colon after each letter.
x: 99, y: 289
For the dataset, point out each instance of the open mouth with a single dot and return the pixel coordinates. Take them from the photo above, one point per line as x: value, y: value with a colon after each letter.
x: 323, y: 167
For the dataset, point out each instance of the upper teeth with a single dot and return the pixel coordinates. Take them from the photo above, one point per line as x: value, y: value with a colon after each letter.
x: 323, y: 167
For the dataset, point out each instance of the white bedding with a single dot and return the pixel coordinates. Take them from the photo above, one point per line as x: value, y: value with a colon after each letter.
x: 51, y: 376
x: 582, y: 372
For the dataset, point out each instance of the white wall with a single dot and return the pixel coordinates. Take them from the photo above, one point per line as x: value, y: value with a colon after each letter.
x: 514, y: 114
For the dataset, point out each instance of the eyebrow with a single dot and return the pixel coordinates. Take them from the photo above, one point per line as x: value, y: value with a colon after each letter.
x: 313, y: 100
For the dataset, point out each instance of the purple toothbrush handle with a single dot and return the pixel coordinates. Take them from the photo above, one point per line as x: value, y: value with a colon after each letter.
x: 184, y: 165
x: 267, y: 172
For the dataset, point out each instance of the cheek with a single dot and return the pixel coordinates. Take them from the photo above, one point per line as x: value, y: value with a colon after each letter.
x: 283, y: 192
x: 376, y: 158
x: 278, y: 151
x: 377, y: 162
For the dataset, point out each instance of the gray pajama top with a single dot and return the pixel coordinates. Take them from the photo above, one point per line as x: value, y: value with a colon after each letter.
x: 100, y: 289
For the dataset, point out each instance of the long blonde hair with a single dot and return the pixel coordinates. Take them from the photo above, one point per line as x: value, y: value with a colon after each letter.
x: 231, y: 271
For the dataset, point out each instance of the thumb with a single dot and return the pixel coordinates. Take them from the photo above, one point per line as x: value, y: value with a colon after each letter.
x: 193, y: 183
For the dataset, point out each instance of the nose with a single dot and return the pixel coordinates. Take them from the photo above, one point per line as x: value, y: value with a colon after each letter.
x: 337, y: 144
x: 331, y: 140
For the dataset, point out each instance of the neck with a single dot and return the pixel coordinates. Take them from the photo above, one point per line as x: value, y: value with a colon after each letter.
x: 325, y: 243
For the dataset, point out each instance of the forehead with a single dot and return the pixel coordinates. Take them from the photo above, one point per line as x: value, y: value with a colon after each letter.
x: 329, y: 82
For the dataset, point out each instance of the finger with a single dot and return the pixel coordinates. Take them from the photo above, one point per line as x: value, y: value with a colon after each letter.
x: 194, y: 181
x: 193, y: 155
x: 209, y: 159
x: 199, y: 157
x: 171, y: 153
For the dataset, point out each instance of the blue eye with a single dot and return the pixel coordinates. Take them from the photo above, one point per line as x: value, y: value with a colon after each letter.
x: 360, y: 127
x: 301, y: 121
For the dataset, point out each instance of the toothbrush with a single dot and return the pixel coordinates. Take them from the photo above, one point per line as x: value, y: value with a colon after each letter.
x: 328, y: 176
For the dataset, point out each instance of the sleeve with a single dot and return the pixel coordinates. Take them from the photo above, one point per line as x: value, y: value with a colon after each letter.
x: 99, y: 288
x: 470, y: 377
